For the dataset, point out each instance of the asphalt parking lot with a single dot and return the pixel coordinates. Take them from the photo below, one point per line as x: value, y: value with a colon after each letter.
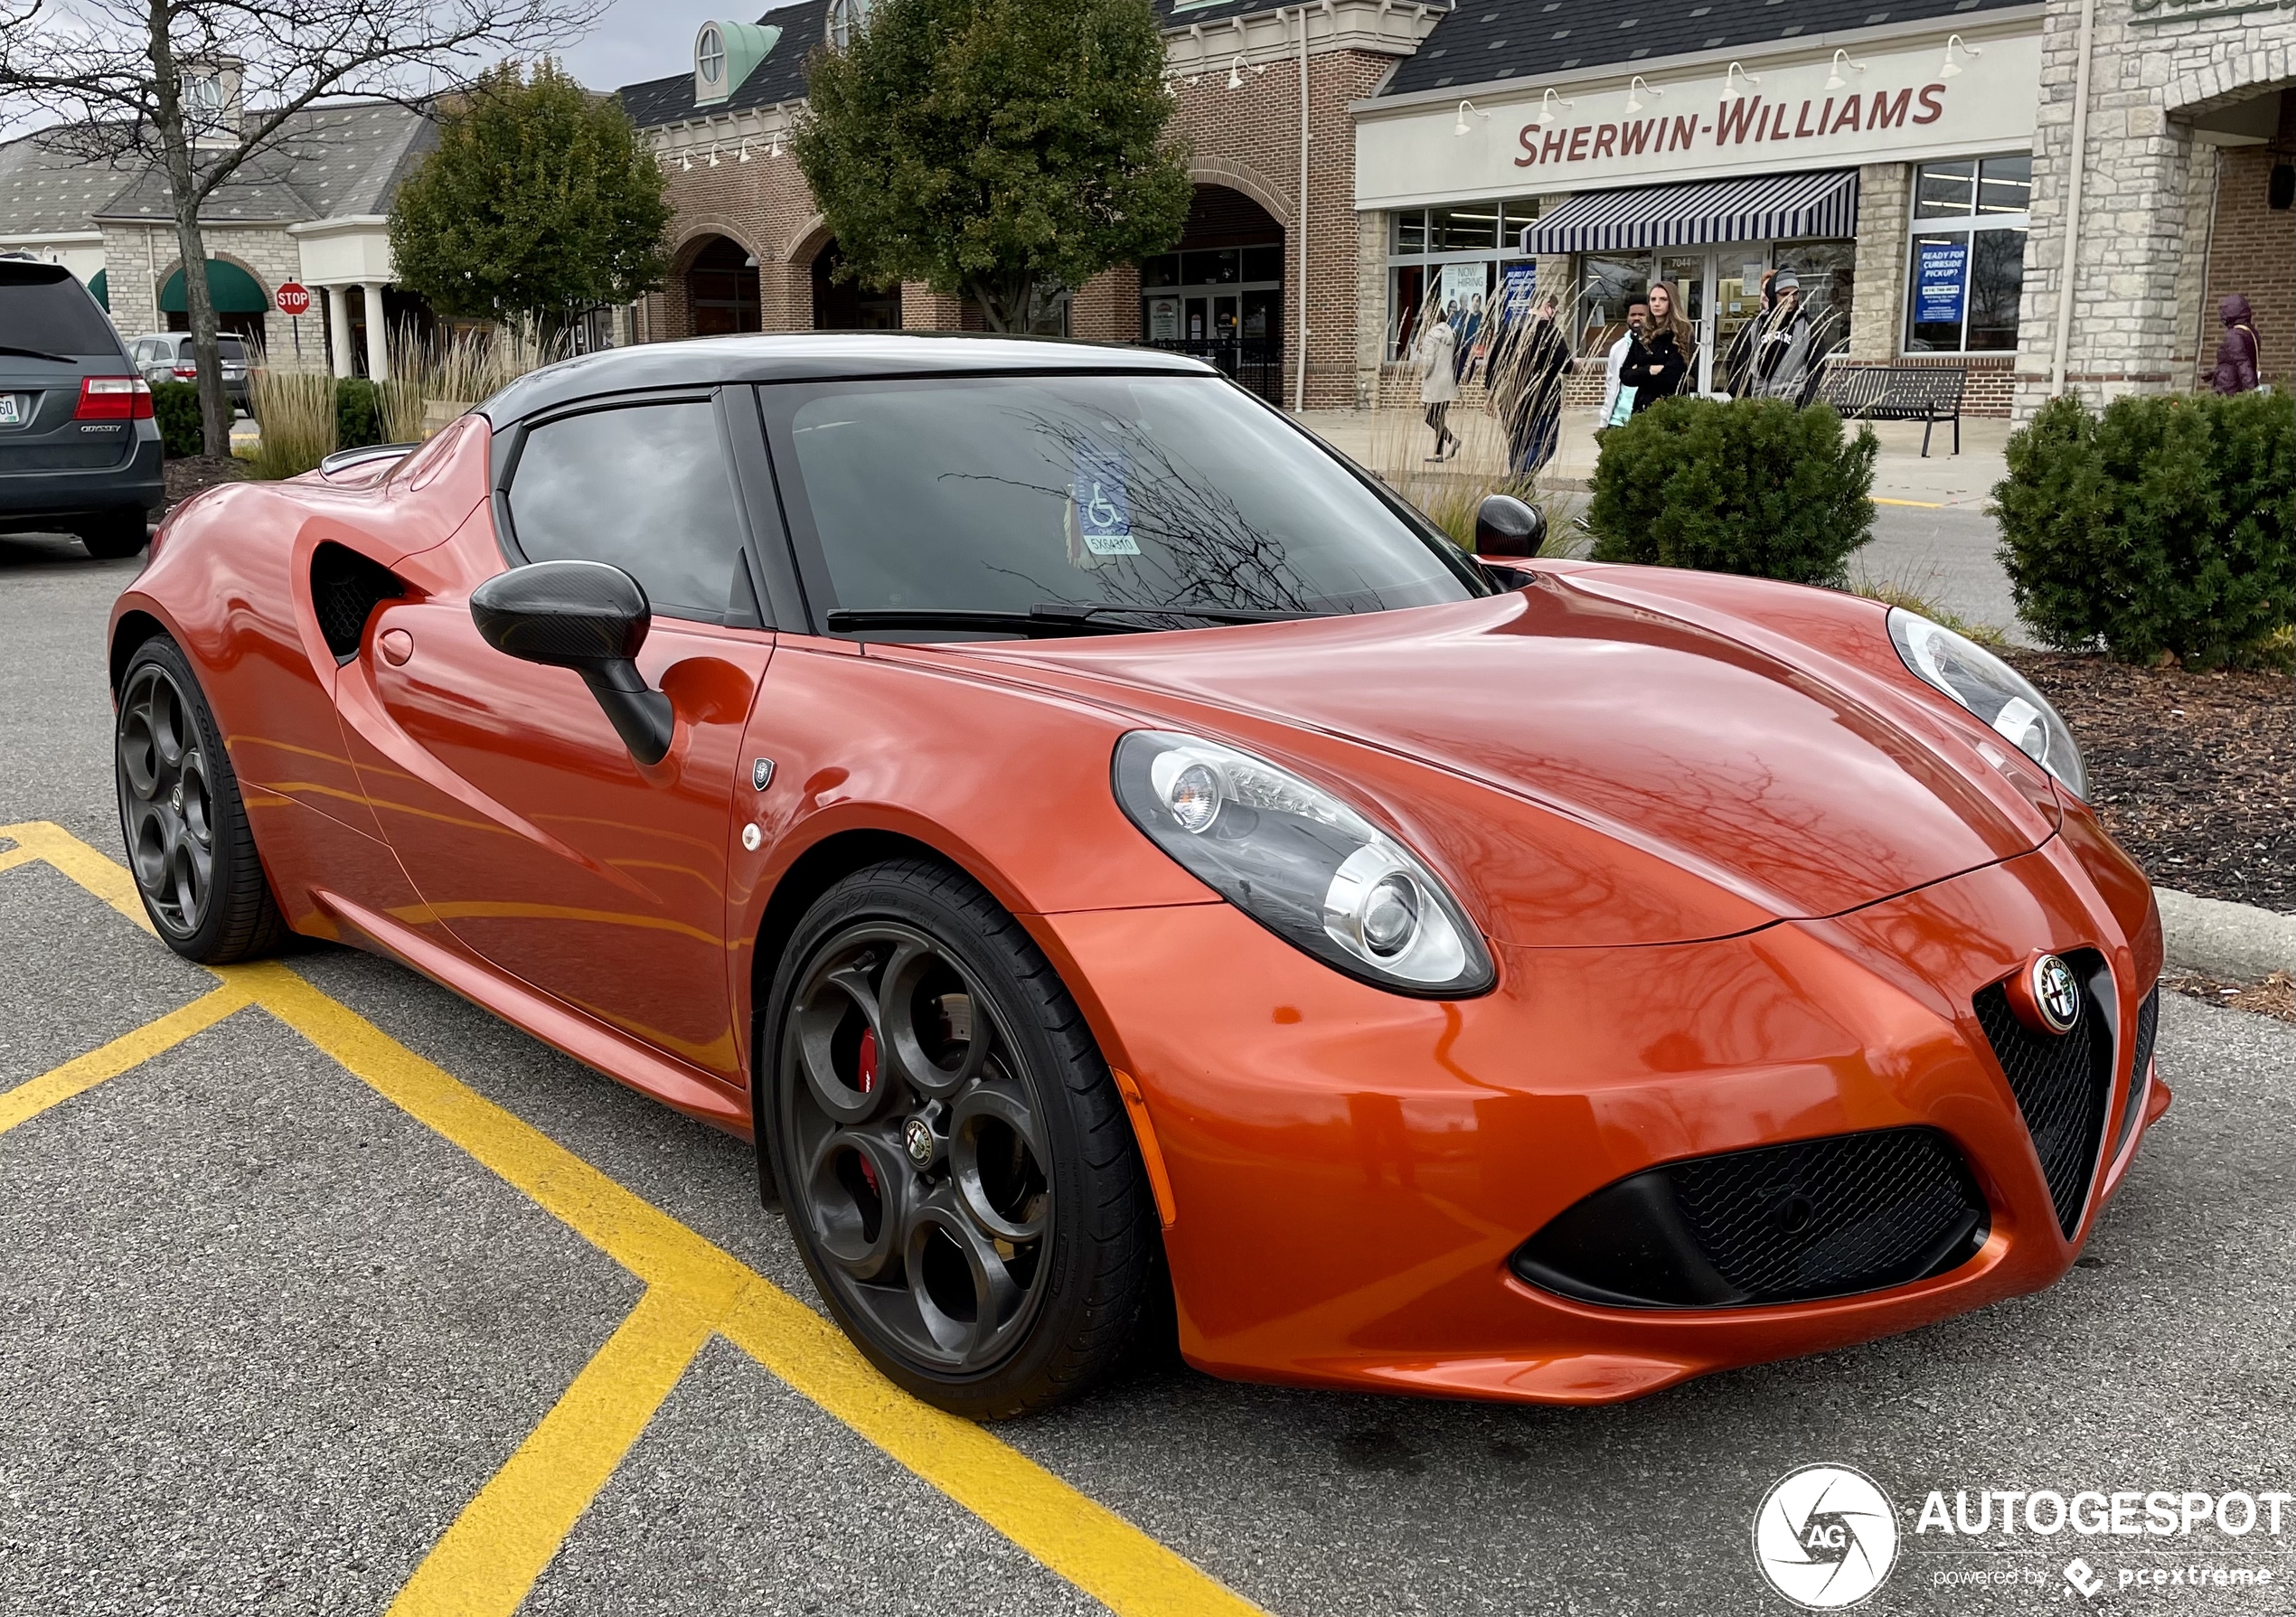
x: 321, y: 1290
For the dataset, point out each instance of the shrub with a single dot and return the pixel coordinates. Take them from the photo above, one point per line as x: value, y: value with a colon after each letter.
x: 358, y: 413
x: 1751, y: 486
x: 296, y: 413
x: 2169, y: 525
x: 175, y: 405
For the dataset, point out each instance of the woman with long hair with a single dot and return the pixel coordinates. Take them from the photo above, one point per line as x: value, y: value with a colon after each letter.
x: 1658, y: 362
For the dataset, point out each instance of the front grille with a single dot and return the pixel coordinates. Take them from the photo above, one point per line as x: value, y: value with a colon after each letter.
x: 1816, y: 1218
x: 2139, y: 1063
x: 2063, y: 1081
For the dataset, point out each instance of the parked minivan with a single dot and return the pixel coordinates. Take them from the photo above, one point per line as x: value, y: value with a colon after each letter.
x: 79, y: 452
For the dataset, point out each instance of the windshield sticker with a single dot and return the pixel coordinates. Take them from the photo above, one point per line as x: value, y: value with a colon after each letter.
x: 1100, y: 506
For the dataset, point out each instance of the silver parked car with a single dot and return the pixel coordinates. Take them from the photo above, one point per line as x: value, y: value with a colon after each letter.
x: 166, y: 356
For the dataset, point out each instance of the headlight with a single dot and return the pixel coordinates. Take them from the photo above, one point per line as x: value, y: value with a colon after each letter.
x: 1993, y: 690
x: 1300, y: 863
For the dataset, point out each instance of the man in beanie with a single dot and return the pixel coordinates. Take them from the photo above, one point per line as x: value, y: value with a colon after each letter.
x: 1782, y: 358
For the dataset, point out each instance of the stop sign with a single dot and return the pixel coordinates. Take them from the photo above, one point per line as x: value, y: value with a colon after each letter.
x: 293, y: 300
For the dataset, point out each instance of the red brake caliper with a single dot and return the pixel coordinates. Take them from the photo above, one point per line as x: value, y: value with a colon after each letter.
x: 866, y: 1070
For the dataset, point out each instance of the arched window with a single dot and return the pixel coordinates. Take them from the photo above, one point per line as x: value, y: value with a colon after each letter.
x: 846, y: 18
x: 709, y: 57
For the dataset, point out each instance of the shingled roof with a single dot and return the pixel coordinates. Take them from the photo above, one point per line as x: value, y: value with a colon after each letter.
x: 781, y: 77
x: 327, y: 162
x: 1484, y: 40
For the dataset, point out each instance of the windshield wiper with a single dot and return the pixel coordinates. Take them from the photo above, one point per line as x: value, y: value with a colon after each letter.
x: 1062, y: 612
x: 37, y: 354
x: 1046, y: 617
x: 846, y: 622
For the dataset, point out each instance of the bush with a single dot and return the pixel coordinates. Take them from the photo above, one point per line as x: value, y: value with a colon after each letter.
x: 358, y: 413
x: 2169, y: 525
x: 175, y: 405
x: 1751, y: 486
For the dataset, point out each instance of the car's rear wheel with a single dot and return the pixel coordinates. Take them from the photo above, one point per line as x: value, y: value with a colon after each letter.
x: 955, y: 1162
x: 188, y: 841
x: 114, y: 534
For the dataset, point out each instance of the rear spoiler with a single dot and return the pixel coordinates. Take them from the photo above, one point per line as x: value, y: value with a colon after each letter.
x: 343, y: 460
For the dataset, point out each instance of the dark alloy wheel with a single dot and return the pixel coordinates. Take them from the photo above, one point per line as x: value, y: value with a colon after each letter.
x: 959, y: 1170
x: 188, y: 842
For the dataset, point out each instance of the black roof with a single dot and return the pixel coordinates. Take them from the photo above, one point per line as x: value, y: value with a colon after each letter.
x: 1485, y: 39
x: 781, y: 77
x: 811, y: 356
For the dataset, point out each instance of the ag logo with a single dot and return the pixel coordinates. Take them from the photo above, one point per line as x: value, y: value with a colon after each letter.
x: 1825, y: 1537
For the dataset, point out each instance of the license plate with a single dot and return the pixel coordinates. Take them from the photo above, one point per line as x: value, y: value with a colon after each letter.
x: 11, y: 412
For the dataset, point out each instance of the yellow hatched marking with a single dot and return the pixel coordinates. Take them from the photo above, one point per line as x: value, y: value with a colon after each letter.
x: 500, y: 1543
x: 77, y: 1077
x: 488, y: 1562
x: 12, y: 857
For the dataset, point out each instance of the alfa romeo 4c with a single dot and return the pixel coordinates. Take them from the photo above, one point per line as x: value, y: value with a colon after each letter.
x: 1121, y: 864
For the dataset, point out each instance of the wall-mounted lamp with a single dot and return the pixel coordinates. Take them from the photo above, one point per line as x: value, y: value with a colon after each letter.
x: 1547, y: 102
x: 1738, y: 72
x: 713, y: 156
x: 1952, y: 69
x: 1834, y: 81
x: 1461, y: 127
x: 1235, y: 73
x: 686, y: 163
x: 1633, y: 103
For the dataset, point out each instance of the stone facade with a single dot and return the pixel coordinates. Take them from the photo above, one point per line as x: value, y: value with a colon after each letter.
x: 2143, y: 250
x: 140, y: 258
x: 1878, y: 308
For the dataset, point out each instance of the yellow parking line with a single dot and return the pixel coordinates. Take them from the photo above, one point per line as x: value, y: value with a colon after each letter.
x: 487, y: 1563
x: 506, y: 1536
x: 1917, y: 504
x: 77, y: 1077
x: 108, y: 880
x: 11, y: 858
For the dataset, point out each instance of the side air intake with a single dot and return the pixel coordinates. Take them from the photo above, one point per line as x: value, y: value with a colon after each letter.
x: 345, y: 588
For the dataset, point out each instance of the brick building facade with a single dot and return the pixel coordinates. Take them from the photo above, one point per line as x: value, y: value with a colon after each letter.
x: 1908, y: 166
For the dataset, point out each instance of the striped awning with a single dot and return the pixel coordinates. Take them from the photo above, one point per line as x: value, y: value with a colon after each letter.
x: 1766, y: 208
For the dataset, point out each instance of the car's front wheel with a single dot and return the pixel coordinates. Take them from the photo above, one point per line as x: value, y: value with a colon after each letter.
x: 957, y: 1167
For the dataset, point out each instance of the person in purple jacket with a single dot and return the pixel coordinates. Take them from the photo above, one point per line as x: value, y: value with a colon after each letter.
x: 2236, y: 352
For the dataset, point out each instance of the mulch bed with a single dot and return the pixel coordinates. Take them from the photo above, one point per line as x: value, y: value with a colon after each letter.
x: 2194, y: 774
x: 2276, y: 996
x: 192, y: 473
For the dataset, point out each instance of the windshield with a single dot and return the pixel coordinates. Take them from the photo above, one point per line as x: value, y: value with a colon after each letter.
x: 1012, y: 493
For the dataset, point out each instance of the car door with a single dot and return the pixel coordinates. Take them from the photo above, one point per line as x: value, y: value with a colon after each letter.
x: 532, y: 834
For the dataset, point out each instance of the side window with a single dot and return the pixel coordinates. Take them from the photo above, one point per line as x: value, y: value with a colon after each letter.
x: 645, y: 488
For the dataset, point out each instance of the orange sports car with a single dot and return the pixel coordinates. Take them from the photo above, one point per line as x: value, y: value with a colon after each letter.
x: 1121, y: 864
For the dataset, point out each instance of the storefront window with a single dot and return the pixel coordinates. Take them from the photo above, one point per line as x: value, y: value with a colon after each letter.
x: 1966, y: 273
x: 1207, y: 302
x: 1450, y: 255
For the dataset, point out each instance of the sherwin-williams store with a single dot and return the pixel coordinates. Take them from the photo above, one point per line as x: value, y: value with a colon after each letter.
x: 1884, y: 154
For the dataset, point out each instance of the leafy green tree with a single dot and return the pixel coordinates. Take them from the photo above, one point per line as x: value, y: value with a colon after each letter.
x: 539, y: 202
x: 1005, y: 149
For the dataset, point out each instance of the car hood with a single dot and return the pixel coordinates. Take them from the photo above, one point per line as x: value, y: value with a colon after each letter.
x: 1601, y: 766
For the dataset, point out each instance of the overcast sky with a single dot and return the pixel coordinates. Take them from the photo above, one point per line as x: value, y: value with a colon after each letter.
x: 648, y: 39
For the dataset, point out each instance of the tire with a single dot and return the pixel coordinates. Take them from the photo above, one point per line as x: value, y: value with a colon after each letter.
x: 115, y: 534
x: 913, y: 1021
x: 180, y: 815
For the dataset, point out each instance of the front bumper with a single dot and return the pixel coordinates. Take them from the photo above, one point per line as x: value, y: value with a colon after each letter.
x: 1349, y: 1172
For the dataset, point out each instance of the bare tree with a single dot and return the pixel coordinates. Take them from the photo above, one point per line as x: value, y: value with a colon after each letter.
x: 197, y: 88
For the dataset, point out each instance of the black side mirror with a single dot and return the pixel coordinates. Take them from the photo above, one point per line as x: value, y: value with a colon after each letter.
x: 1506, y: 526
x: 591, y: 618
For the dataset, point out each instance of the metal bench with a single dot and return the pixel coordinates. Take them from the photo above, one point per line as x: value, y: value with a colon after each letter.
x: 1929, y: 394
